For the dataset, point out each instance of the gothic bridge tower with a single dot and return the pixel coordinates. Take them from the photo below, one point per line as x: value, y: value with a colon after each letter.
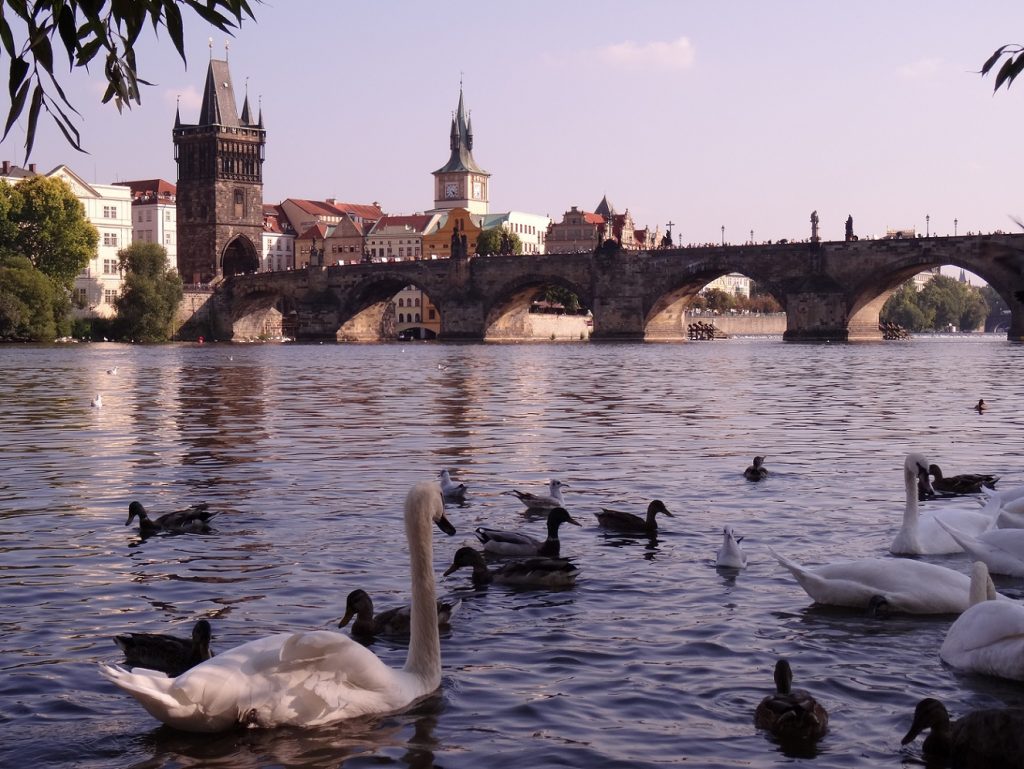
x: 461, y: 183
x: 220, y: 184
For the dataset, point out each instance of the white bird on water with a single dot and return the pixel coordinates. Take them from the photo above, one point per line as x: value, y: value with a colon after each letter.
x: 730, y: 554
x: 112, y: 371
x: 97, y: 402
x: 307, y: 679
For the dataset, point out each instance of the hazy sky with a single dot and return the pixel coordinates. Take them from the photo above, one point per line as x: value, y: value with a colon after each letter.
x: 747, y: 115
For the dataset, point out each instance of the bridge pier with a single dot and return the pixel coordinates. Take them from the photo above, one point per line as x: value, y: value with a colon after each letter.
x: 817, y: 316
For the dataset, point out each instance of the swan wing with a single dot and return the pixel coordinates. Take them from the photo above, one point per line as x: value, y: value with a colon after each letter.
x: 1001, y: 550
x: 300, y: 679
x: 987, y: 638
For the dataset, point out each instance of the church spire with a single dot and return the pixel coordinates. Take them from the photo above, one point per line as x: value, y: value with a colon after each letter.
x: 245, y: 105
x: 461, y: 142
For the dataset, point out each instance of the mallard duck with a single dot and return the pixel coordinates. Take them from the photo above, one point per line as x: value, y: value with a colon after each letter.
x: 790, y: 714
x: 308, y: 679
x: 194, y: 519
x: 730, y: 554
x: 965, y: 483
x: 756, y: 471
x: 392, y: 622
x: 630, y: 522
x: 453, y: 492
x: 166, y: 653
x: 531, y: 572
x: 505, y: 542
x: 552, y: 500
x: 922, y: 535
x: 986, y: 739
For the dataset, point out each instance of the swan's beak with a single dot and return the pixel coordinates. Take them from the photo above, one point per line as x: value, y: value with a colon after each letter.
x: 445, y: 525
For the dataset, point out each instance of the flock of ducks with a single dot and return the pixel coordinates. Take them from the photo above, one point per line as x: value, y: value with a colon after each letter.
x: 269, y: 682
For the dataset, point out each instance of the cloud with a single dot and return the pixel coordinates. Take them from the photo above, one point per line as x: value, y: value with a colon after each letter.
x: 922, y: 69
x: 675, y: 55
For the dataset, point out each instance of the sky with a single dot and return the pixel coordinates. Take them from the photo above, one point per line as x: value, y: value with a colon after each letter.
x: 746, y: 115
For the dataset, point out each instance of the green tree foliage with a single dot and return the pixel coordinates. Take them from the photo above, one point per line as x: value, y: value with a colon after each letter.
x: 498, y: 241
x: 1012, y: 57
x: 149, y: 296
x: 41, y: 219
x: 941, y: 303
x: 718, y: 300
x: 30, y: 31
x: 27, y: 301
x: 562, y: 296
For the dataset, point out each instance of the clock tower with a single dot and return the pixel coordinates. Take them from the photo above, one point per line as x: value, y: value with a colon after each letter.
x: 461, y: 183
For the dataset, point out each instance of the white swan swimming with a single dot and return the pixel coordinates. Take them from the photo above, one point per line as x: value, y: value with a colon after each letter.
x: 454, y: 492
x: 730, y: 554
x: 922, y: 535
x: 915, y: 587
x: 1006, y: 507
x: 1001, y: 550
x: 988, y: 637
x: 308, y: 678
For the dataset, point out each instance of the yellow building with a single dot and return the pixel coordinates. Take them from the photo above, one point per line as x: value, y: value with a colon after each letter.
x: 438, y: 243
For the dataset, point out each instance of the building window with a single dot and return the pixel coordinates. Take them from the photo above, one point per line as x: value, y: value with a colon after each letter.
x: 239, y: 204
x: 432, y: 313
x: 110, y: 266
x: 109, y: 212
x: 168, y: 238
x: 109, y: 295
x: 110, y: 238
x: 401, y: 302
x: 81, y: 297
x: 417, y: 317
x: 167, y: 215
x: 149, y: 214
x: 401, y: 317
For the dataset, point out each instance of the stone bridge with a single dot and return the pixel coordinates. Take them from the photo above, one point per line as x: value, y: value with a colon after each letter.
x: 829, y: 290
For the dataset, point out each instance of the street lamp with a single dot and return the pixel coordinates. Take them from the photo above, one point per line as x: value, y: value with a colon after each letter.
x: 927, y: 223
x: 954, y: 227
x: 723, y: 234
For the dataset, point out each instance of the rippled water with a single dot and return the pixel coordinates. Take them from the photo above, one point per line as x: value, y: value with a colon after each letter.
x: 654, y: 658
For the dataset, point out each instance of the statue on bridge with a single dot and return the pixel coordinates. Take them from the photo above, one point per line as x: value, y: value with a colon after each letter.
x: 814, y: 227
x: 849, y: 229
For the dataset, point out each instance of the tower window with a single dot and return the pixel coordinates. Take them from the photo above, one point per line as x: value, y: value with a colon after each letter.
x: 239, y: 204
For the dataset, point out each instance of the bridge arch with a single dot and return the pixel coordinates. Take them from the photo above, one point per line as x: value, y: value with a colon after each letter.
x: 240, y: 256
x: 368, y: 314
x: 665, y: 318
x: 506, y: 315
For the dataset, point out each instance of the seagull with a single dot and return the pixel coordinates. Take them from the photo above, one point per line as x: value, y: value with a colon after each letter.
x: 540, y: 501
x: 452, y: 491
x: 97, y: 402
x: 112, y: 371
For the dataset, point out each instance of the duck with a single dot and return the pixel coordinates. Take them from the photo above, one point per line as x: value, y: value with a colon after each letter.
x: 988, y: 638
x: 392, y: 622
x: 453, y: 492
x: 909, y: 586
x: 791, y: 715
x: 965, y: 483
x: 549, y: 501
x: 311, y: 678
x: 1001, y: 550
x: 194, y: 519
x: 986, y: 739
x: 980, y: 406
x: 168, y: 654
x: 97, y: 402
x: 730, y: 554
x: 922, y: 535
x: 630, y: 522
x: 756, y: 471
x: 531, y: 572
x: 503, y: 542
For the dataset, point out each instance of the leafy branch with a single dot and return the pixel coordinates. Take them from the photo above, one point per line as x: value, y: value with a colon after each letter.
x: 87, y: 29
x: 1012, y: 66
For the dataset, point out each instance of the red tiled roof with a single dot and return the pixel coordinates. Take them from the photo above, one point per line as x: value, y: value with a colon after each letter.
x: 328, y: 208
x: 591, y: 218
x: 317, y: 230
x: 144, y: 188
x: 417, y: 222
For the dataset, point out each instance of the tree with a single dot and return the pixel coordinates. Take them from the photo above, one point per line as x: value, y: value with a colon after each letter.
x: 1010, y: 68
x: 27, y: 300
x: 955, y: 303
x: 903, y: 308
x: 489, y: 242
x: 718, y: 300
x: 41, y: 219
x: 82, y: 29
x: 149, y: 296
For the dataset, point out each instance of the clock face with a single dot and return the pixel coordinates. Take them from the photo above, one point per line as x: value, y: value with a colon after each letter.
x: 478, y: 190
x: 451, y: 190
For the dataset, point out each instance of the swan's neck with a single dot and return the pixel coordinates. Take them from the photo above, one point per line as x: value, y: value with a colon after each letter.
x: 982, y: 587
x: 424, y: 658
x: 910, y: 511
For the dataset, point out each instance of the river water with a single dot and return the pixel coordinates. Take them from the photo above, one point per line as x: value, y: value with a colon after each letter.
x: 654, y: 658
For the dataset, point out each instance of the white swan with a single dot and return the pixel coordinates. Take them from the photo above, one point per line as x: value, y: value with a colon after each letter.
x: 730, y: 554
x: 922, y: 535
x: 452, y: 491
x: 307, y: 678
x: 988, y: 637
x: 1001, y: 550
x: 915, y: 587
x: 1006, y: 507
